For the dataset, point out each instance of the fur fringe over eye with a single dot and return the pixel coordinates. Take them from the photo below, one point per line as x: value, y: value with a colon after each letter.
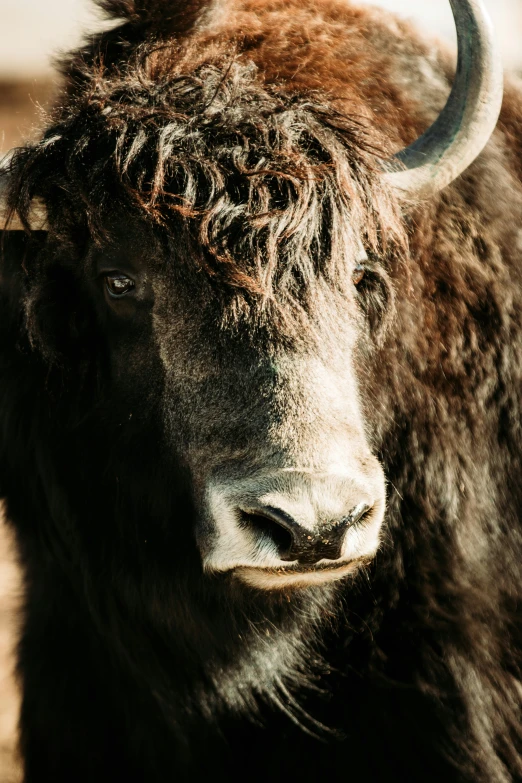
x: 273, y: 189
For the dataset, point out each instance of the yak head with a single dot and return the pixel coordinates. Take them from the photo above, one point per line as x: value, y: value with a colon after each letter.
x: 217, y: 260
x: 215, y: 280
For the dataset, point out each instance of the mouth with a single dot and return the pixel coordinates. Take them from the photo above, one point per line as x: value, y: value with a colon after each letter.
x: 281, y: 578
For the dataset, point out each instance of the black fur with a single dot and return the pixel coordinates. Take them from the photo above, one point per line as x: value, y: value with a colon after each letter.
x: 161, y: 16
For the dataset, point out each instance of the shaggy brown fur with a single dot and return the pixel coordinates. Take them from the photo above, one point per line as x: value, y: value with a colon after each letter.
x: 274, y: 186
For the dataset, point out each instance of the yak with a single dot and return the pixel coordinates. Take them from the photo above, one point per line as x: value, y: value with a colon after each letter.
x: 261, y: 401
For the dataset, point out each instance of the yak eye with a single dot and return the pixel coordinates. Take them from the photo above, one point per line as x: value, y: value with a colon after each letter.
x: 358, y: 274
x: 118, y: 285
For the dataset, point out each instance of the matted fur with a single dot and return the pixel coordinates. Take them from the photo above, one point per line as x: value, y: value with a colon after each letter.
x: 161, y: 16
x: 275, y: 188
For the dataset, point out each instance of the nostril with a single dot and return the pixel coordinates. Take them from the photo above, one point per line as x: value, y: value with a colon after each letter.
x: 357, y: 515
x: 267, y: 529
x: 293, y: 541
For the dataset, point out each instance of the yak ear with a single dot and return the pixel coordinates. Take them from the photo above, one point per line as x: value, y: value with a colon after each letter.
x: 160, y: 16
x: 17, y: 248
x: 14, y: 246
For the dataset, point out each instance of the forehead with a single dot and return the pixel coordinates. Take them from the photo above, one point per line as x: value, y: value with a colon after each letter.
x: 188, y: 290
x: 128, y: 244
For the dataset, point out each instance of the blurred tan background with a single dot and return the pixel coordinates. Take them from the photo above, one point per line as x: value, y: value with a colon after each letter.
x: 31, y: 33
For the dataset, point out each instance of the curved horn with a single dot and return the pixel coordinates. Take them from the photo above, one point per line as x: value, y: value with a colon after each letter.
x: 38, y: 217
x: 469, y: 118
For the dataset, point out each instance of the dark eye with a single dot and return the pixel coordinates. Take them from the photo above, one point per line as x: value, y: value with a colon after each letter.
x: 358, y: 274
x: 118, y: 285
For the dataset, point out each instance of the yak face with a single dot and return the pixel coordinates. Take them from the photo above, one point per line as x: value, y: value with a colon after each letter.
x: 214, y: 237
x: 266, y: 421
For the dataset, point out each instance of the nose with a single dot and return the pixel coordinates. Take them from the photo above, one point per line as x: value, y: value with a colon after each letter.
x: 293, y: 522
x: 295, y: 542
